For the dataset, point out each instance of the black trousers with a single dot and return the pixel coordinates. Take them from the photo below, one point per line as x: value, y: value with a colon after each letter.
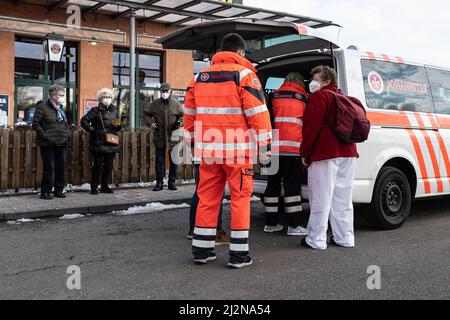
x: 102, y: 167
x: 290, y: 174
x: 54, y: 165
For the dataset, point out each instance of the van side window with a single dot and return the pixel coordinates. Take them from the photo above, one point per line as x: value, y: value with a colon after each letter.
x: 395, y: 86
x: 440, y: 87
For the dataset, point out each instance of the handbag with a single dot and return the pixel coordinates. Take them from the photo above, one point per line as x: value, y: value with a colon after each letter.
x: 111, y: 138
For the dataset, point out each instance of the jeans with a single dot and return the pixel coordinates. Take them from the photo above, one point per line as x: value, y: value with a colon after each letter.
x: 54, y: 163
x: 160, y: 167
x: 194, y: 204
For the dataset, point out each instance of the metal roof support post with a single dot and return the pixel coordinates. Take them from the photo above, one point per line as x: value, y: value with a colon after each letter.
x: 133, y: 69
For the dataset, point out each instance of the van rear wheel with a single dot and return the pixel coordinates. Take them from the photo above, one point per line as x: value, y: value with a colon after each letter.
x: 392, y: 200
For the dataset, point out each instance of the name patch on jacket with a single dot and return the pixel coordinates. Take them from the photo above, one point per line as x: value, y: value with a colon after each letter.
x: 290, y: 95
x: 218, y: 77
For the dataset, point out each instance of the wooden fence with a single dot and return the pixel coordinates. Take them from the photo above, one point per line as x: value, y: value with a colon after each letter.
x: 21, y: 163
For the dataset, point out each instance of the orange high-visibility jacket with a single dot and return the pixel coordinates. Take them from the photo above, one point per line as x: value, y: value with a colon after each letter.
x: 288, y: 106
x: 222, y: 103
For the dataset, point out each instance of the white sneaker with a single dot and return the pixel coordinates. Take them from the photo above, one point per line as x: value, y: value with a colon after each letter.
x: 273, y: 229
x: 297, y: 232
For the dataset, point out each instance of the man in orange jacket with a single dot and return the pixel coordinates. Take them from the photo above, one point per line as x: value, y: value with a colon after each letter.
x: 226, y: 116
x: 287, y: 106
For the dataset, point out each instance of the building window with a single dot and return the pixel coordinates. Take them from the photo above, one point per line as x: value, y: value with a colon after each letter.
x: 33, y: 76
x: 148, y: 80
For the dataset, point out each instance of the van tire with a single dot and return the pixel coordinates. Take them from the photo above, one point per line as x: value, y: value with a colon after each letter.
x: 392, y: 198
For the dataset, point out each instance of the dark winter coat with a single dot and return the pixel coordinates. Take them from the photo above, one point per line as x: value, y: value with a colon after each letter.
x: 167, y: 114
x: 50, y: 132
x: 91, y: 122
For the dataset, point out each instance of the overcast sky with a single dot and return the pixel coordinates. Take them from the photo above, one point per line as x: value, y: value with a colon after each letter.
x: 413, y: 29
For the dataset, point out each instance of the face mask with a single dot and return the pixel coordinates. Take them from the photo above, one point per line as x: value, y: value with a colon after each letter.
x: 314, y: 86
x: 165, y: 95
x: 61, y: 100
x: 106, y: 102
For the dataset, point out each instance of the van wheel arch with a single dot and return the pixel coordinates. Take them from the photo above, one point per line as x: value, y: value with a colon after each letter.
x: 394, y: 191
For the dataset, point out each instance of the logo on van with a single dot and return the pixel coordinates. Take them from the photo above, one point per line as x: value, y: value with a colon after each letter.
x: 376, y: 83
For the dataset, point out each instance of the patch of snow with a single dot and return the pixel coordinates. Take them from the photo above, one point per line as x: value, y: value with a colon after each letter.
x: 72, y: 188
x: 71, y: 216
x: 23, y: 220
x: 150, y: 208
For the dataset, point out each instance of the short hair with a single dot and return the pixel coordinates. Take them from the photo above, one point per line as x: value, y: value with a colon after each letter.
x: 232, y: 42
x: 104, y: 91
x: 55, y: 89
x: 295, y: 77
x: 326, y: 73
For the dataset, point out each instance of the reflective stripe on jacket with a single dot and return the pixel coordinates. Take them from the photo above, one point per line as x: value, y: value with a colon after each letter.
x: 288, y: 106
x: 226, y: 100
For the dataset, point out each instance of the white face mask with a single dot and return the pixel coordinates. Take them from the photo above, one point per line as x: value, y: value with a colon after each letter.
x: 106, y: 102
x: 314, y: 86
x: 61, y: 100
x: 165, y: 95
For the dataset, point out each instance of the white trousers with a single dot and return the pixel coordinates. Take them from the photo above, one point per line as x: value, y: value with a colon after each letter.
x: 330, y: 185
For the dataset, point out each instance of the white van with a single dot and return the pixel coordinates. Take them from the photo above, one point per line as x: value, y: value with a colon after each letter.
x: 408, y: 104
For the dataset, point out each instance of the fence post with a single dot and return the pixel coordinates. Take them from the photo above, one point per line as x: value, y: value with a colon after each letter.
x: 4, y: 158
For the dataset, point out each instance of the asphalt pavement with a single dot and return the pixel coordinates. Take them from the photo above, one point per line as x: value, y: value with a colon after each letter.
x: 148, y: 257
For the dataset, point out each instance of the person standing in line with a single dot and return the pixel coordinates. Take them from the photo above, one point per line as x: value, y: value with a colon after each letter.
x: 100, y: 121
x: 331, y: 166
x: 164, y: 116
x: 53, y: 133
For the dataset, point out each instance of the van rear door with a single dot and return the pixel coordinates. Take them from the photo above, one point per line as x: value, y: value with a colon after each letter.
x: 261, y: 36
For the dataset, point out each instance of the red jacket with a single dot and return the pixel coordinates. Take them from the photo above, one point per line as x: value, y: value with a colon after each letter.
x: 288, y: 107
x: 319, y: 140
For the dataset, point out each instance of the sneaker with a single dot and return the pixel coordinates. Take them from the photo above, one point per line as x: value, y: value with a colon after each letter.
x: 211, y: 257
x: 190, y: 235
x: 222, y: 238
x: 238, y: 265
x: 334, y: 243
x: 94, y: 192
x: 273, y: 229
x: 297, y: 232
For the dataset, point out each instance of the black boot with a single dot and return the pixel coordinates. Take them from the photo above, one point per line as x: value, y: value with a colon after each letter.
x: 172, y: 186
x: 106, y: 189
x: 159, y: 186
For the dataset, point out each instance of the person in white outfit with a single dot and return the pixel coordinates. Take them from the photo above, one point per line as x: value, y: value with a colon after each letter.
x: 331, y: 166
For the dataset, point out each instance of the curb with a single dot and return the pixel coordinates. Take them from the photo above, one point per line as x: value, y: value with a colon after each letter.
x: 100, y: 209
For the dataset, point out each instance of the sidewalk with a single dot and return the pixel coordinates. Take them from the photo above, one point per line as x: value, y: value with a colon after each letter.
x: 30, y: 206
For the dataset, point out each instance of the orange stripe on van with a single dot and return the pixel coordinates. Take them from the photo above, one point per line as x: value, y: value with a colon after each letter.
x: 433, y: 121
x: 444, y: 122
x: 388, y: 119
x: 400, y: 60
x: 372, y: 56
x: 444, y: 153
x: 386, y: 58
x: 421, y: 160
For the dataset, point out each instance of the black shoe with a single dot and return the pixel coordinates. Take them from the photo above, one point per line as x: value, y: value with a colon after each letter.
x: 46, y: 196
x: 172, y: 186
x: 106, y: 190
x: 211, y: 257
x: 59, y: 195
x: 158, y: 187
x: 238, y: 265
x: 94, y: 192
x: 306, y: 245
